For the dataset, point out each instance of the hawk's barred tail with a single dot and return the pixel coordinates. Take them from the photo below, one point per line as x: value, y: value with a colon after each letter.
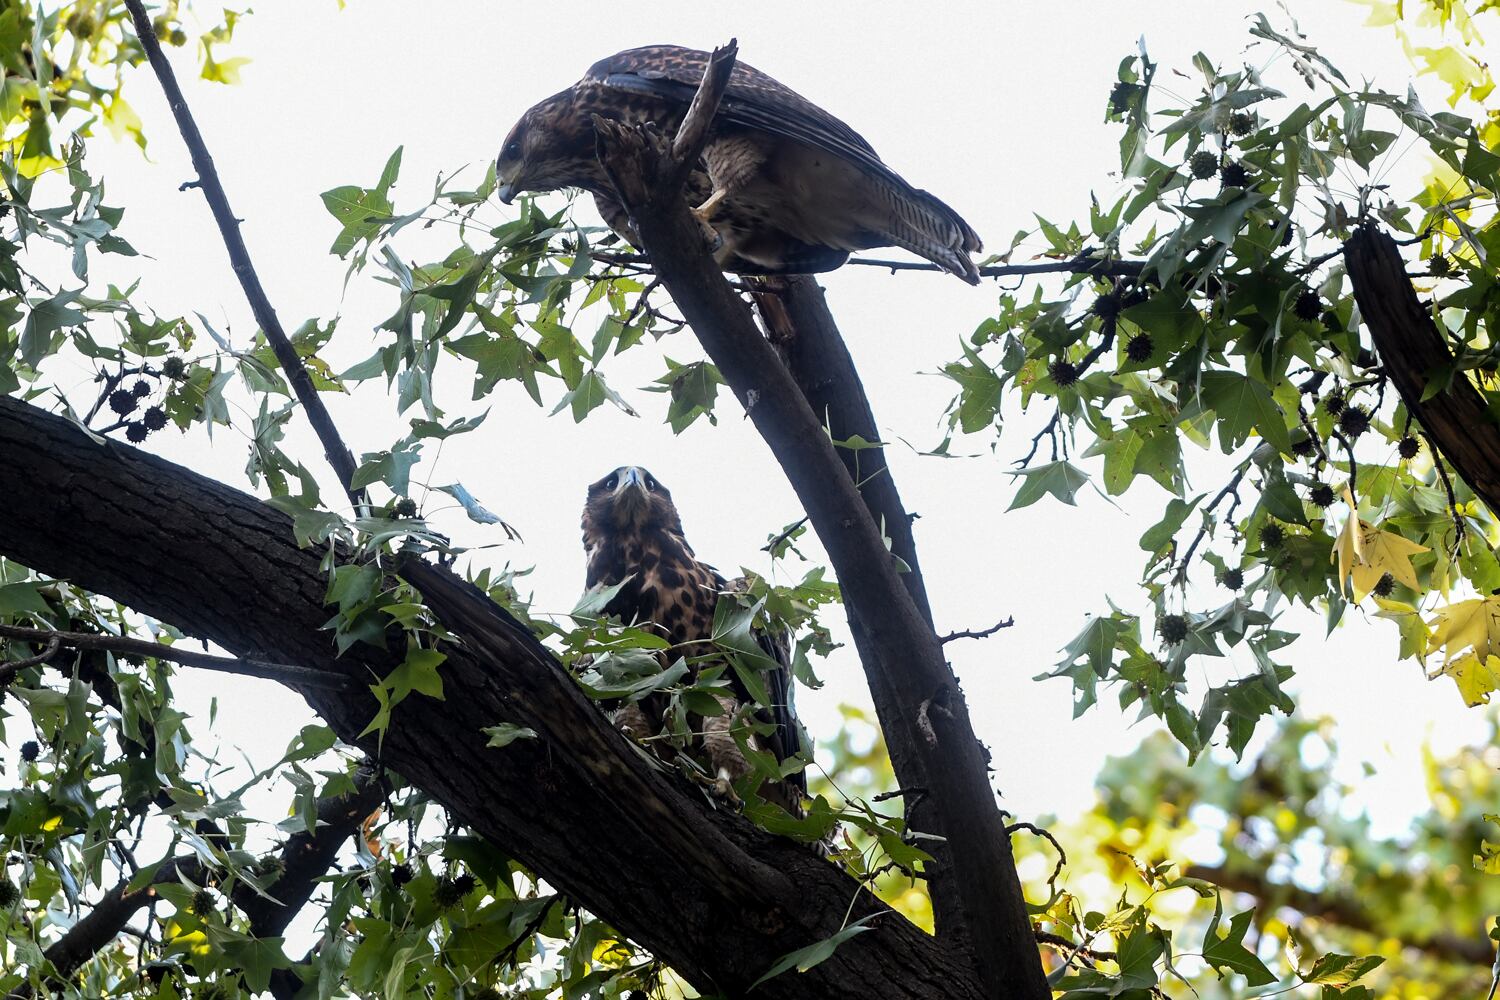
x: 925, y: 225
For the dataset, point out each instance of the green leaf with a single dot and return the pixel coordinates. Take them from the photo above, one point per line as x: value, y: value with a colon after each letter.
x: 418, y: 672
x: 507, y: 733
x: 805, y: 958
x: 471, y: 506
x: 1061, y: 479
x: 1241, y: 404
x: 1160, y: 534
x: 1341, y: 970
x: 44, y: 320
x: 359, y: 210
x: 20, y: 598
x: 1229, y: 951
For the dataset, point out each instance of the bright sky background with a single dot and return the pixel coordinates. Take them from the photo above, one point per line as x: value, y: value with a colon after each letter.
x: 997, y: 108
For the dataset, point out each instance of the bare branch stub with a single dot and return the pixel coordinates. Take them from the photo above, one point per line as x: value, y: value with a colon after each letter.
x: 692, y: 134
x: 980, y: 634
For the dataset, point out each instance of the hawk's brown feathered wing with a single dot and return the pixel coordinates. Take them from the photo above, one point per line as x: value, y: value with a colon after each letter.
x: 892, y: 211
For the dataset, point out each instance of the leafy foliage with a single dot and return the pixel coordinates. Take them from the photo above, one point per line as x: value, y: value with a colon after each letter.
x: 1233, y: 331
x: 1214, y: 309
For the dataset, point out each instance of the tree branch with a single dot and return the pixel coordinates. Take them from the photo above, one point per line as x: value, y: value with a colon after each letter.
x: 1342, y: 910
x: 286, y: 673
x: 981, y: 634
x: 1413, y: 351
x: 339, y: 457
x: 578, y: 804
x: 714, y: 951
x: 692, y: 134
x: 1100, y: 267
x: 910, y: 680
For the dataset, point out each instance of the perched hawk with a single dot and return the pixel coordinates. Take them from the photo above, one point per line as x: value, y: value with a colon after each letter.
x: 787, y: 187
x: 632, y: 533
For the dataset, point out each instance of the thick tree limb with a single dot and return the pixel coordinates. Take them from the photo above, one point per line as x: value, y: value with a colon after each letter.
x: 284, y: 672
x: 796, y: 317
x: 338, y: 455
x: 917, y: 696
x: 706, y: 891
x: 1346, y: 912
x: 1413, y: 351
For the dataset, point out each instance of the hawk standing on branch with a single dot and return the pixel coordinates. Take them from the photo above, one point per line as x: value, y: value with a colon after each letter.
x: 633, y: 538
x: 786, y: 187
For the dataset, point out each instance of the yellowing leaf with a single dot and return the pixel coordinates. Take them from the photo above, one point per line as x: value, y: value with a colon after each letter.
x: 1414, y: 632
x: 1476, y: 681
x: 1467, y: 625
x: 1366, y: 554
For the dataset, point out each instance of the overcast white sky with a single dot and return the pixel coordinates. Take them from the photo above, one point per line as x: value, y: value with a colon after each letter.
x: 996, y: 108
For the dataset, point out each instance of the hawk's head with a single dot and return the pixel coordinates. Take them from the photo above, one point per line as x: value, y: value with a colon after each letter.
x: 627, y: 503
x: 551, y: 147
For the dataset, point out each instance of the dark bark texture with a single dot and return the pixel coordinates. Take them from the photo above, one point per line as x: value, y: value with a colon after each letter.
x: 1412, y: 350
x: 705, y: 890
x: 797, y: 319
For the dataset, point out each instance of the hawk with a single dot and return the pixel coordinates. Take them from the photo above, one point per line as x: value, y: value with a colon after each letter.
x: 633, y: 539
x: 786, y: 187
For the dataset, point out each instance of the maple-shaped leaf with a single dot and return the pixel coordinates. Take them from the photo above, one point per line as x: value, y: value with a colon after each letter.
x: 1468, y: 625
x: 1476, y: 679
x: 1365, y: 554
x: 1415, y: 635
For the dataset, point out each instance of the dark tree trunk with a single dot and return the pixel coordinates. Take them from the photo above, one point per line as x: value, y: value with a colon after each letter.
x: 1413, y: 351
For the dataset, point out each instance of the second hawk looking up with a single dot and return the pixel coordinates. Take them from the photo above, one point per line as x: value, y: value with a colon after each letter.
x: 633, y: 539
x: 787, y: 187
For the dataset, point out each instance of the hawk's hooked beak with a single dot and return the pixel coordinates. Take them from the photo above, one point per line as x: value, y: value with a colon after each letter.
x: 632, y: 478
x: 507, y: 193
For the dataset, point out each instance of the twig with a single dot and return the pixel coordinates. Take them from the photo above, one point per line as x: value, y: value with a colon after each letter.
x: 1100, y: 266
x: 1458, y: 522
x: 982, y: 634
x: 1104, y: 344
x: 338, y: 454
x: 1312, y: 433
x: 1060, y: 942
x: 14, y: 667
x: 1349, y: 451
x: 783, y: 535
x: 283, y: 672
x: 1051, y: 429
x: 1230, y: 487
x: 1062, y: 856
x: 1314, y: 263
x: 532, y: 926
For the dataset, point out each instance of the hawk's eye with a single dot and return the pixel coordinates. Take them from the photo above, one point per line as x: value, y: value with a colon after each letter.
x: 650, y: 484
x: 612, y: 482
x: 512, y: 150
